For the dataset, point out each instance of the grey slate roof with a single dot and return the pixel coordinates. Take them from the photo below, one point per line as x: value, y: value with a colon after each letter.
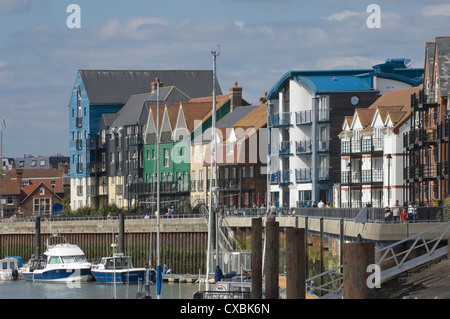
x: 112, y: 87
x: 135, y: 110
x: 233, y: 117
x: 443, y: 59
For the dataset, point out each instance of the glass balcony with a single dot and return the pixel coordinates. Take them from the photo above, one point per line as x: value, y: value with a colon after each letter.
x: 303, y: 117
x: 303, y: 175
x: 281, y: 119
x: 303, y: 147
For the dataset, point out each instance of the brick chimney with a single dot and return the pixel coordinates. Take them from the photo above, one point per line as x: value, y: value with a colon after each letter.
x: 235, y: 96
x: 263, y: 99
x: 19, y: 176
x: 155, y: 85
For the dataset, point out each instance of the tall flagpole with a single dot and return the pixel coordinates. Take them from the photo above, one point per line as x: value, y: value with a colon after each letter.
x: 158, y: 210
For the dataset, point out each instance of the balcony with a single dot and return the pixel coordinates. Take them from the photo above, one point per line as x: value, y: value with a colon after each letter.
x: 281, y: 119
x: 133, y: 139
x: 323, y: 115
x: 303, y: 147
x: 91, y: 143
x: 323, y: 174
x: 303, y: 118
x: 303, y: 175
x: 285, y: 148
x: 322, y: 146
x: 280, y: 177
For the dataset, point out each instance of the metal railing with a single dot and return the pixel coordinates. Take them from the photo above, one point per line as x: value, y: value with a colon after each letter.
x: 421, y: 251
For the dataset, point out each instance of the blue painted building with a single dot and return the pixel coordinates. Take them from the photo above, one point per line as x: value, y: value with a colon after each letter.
x: 305, y: 112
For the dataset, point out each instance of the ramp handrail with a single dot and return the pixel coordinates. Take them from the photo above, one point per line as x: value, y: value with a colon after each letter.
x: 402, y: 263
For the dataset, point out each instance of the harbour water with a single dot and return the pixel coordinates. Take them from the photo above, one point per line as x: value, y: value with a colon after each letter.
x: 22, y: 289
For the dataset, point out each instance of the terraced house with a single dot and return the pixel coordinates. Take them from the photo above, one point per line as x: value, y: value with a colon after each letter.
x: 426, y: 145
x: 372, y: 152
x: 119, y: 141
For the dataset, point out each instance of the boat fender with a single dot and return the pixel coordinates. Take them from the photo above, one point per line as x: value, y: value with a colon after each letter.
x: 15, y: 274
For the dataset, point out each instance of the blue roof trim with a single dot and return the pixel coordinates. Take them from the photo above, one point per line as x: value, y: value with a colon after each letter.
x: 396, y: 70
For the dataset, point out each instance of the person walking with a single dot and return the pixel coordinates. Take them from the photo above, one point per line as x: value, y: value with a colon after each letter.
x: 396, y: 212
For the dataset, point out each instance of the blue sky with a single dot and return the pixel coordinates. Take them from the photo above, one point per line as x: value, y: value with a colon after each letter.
x: 259, y: 41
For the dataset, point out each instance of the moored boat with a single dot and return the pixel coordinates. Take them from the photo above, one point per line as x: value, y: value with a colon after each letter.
x: 63, y: 262
x: 9, y: 268
x: 119, y: 269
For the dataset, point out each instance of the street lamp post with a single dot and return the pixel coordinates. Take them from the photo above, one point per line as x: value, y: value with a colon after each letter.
x: 389, y: 157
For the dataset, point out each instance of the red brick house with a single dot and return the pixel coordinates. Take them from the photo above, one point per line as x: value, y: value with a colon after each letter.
x: 31, y: 192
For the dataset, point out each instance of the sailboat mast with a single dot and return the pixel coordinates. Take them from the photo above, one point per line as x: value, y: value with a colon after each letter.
x: 158, y: 210
x: 212, y: 164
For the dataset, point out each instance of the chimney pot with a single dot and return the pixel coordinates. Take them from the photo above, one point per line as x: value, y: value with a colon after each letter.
x: 155, y: 84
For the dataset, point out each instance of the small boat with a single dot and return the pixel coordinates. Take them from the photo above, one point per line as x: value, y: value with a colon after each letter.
x: 61, y: 262
x: 119, y: 269
x: 9, y: 268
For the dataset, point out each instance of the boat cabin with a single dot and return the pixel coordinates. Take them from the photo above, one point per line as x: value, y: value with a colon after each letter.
x: 117, y: 261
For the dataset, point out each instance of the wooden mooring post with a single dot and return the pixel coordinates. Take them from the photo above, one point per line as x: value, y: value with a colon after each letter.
x: 296, y: 263
x: 356, y: 259
x: 256, y: 258
x: 37, y: 229
x: 272, y: 259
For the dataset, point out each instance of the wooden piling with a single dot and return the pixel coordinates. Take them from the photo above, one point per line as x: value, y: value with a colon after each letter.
x: 356, y: 259
x: 121, y: 233
x: 256, y: 258
x: 272, y: 259
x: 296, y: 263
x: 37, y: 229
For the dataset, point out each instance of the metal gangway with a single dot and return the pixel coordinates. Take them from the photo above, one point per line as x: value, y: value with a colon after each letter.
x: 422, y: 248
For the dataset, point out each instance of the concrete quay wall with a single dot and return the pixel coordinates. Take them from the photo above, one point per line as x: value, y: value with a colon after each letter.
x: 167, y: 225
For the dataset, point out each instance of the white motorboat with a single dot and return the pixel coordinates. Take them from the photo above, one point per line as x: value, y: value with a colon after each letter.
x: 62, y: 262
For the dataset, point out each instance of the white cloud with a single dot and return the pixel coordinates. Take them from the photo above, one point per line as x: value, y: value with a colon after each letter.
x: 437, y: 10
x: 343, y: 15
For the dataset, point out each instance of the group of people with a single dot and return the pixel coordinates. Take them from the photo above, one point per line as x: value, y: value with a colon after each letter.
x: 398, y: 213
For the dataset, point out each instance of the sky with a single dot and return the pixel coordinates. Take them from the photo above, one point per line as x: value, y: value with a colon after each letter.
x: 43, y: 45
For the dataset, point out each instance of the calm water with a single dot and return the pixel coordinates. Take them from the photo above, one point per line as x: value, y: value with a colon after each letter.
x: 22, y: 289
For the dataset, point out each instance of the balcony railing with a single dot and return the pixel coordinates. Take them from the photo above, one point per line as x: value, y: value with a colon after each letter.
x: 285, y: 148
x: 91, y: 143
x: 303, y: 175
x: 303, y: 147
x: 280, y: 177
x: 281, y: 119
x: 303, y: 117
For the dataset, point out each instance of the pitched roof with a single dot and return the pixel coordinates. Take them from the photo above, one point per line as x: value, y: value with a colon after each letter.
x: 443, y: 60
x: 194, y: 111
x: 365, y: 116
x: 114, y: 87
x: 397, y: 98
x: 8, y: 186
